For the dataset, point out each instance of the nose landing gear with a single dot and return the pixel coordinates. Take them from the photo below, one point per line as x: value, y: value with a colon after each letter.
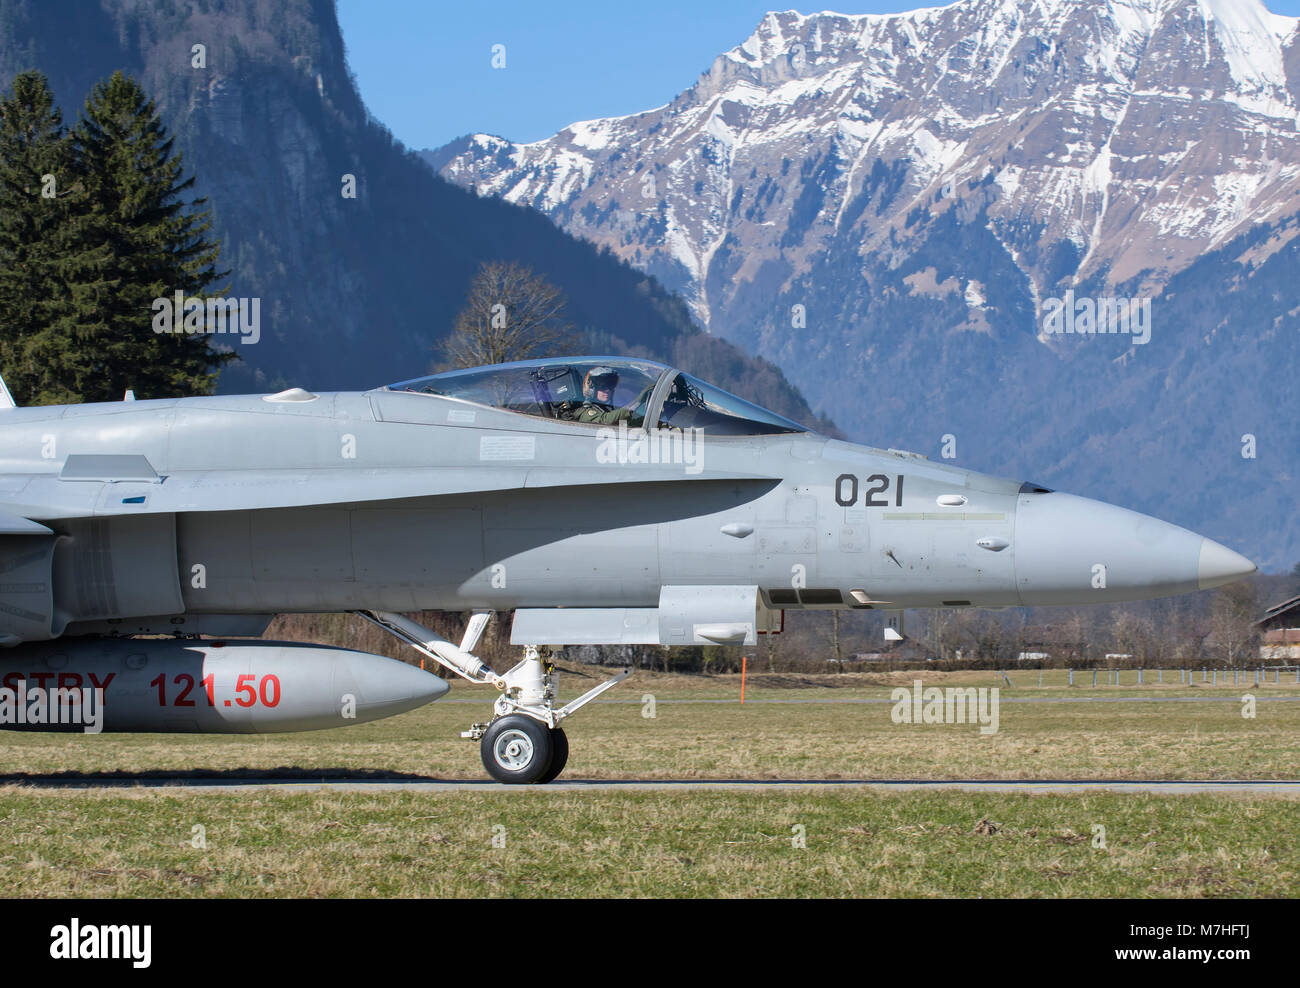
x: 523, y: 743
x: 527, y: 708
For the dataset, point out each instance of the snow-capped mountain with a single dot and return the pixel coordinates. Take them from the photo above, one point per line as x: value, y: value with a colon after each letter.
x: 927, y: 185
x: 1139, y: 132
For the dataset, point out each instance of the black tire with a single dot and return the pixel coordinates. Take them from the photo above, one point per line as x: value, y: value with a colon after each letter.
x: 517, y: 750
x: 559, y: 756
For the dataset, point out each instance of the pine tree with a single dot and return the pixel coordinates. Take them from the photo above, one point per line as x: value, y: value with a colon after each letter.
x: 157, y: 245
x: 37, y: 194
x: 93, y: 229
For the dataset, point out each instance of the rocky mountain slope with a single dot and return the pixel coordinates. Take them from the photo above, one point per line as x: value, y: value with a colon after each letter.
x: 892, y: 208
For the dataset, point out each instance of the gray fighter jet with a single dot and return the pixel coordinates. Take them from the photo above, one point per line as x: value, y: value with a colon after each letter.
x: 601, y: 500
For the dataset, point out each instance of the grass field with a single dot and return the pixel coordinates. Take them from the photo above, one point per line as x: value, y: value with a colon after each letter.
x: 136, y: 842
x: 645, y: 843
x: 799, y: 737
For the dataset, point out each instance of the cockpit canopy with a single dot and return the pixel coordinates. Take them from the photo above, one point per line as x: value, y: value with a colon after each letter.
x: 604, y: 391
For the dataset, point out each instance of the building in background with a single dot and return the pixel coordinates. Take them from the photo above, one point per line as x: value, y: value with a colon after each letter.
x: 1280, y: 627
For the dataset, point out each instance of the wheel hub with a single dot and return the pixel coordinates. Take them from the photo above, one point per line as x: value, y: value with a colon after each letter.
x: 513, y: 750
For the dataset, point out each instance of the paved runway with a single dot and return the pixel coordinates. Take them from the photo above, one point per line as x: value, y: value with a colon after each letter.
x: 70, y: 782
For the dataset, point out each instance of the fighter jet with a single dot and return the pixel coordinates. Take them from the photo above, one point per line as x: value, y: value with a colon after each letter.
x: 144, y: 545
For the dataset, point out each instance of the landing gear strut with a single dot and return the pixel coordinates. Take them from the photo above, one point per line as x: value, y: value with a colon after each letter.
x: 523, y: 743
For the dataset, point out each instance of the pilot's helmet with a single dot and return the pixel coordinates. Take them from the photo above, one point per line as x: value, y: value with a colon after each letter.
x: 599, y: 379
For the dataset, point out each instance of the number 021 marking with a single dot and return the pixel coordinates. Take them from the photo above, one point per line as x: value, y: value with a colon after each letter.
x: 874, y: 494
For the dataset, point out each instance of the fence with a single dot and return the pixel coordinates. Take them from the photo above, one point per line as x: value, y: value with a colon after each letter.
x: 1257, y: 676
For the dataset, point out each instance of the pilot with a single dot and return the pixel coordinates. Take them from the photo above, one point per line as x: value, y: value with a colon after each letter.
x: 598, y: 397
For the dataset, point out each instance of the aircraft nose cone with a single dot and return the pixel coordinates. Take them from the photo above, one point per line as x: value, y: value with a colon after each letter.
x: 1219, y: 565
x: 1072, y: 550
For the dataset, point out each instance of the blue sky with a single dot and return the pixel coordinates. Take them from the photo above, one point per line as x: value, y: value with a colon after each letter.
x: 424, y: 66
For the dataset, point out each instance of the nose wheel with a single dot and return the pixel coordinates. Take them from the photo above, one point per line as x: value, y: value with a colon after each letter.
x: 517, y: 750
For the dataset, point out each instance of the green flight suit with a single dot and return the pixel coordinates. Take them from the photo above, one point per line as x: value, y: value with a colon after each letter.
x: 603, y: 414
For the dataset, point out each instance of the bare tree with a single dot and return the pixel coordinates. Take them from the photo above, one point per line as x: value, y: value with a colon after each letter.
x: 1232, y: 620
x: 1132, y: 633
x: 510, y: 314
x: 837, y: 648
x: 939, y: 620
x: 1081, y: 637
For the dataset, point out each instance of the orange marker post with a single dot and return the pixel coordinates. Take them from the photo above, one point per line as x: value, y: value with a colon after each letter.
x: 743, y: 660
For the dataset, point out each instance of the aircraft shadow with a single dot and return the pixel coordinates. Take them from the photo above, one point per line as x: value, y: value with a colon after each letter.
x: 205, y: 777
